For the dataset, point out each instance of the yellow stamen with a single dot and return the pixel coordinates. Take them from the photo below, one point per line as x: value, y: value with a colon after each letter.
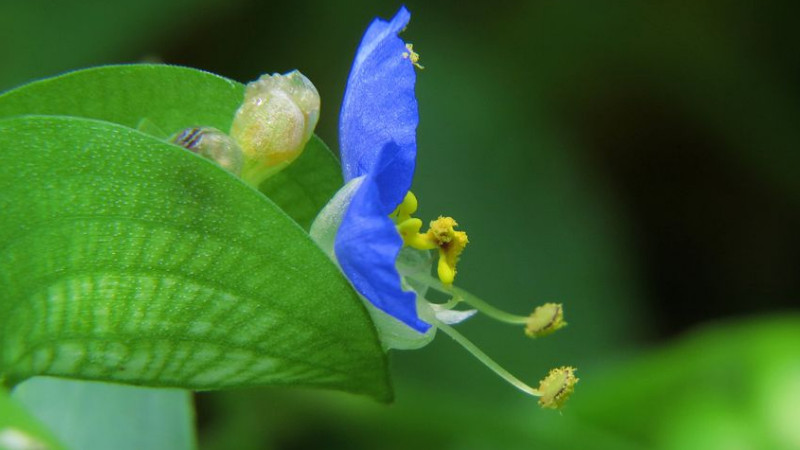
x: 545, y: 320
x: 412, y: 56
x: 409, y: 230
x: 441, y: 235
x: 556, y: 387
x: 451, y: 243
x: 406, y: 208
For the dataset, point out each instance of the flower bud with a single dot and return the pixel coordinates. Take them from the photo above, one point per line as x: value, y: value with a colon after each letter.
x: 212, y: 144
x: 556, y: 387
x: 274, y: 123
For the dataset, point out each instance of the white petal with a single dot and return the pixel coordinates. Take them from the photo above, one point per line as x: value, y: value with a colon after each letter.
x: 326, y: 224
x: 451, y: 316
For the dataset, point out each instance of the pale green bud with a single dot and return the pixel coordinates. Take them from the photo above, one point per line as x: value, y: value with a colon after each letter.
x: 274, y: 123
x: 212, y: 144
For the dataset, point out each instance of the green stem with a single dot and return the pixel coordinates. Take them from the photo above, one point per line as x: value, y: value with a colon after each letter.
x: 490, y: 310
x: 450, y: 304
x: 486, y: 360
x: 466, y: 297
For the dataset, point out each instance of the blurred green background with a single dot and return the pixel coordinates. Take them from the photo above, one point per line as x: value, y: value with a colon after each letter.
x: 637, y: 161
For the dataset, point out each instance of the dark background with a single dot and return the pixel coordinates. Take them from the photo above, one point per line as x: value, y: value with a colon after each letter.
x: 637, y: 161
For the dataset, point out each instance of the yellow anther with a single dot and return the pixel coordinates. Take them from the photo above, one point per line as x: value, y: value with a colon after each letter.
x: 406, y: 208
x: 451, y: 243
x: 441, y: 235
x: 442, y: 229
x: 544, y: 320
x: 409, y: 230
x: 556, y: 387
x: 409, y: 226
x: 412, y: 56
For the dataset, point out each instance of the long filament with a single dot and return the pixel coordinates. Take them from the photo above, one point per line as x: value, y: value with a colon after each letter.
x: 485, y: 359
x: 468, y: 298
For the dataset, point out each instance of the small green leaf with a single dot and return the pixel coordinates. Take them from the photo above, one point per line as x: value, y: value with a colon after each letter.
x: 123, y: 258
x: 162, y: 100
x: 99, y: 416
x: 19, y: 429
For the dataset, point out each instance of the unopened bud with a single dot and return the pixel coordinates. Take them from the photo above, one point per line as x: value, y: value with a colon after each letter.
x: 274, y: 123
x: 556, y: 387
x: 212, y: 144
x: 544, y: 320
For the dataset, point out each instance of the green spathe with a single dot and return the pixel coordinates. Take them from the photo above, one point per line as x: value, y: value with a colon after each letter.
x: 135, y: 261
x: 163, y: 100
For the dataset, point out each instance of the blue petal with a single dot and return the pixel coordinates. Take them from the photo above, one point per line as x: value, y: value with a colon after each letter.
x: 379, y: 106
x: 367, y: 243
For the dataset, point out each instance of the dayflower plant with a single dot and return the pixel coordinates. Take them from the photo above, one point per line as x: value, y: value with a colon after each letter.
x: 369, y: 229
x: 127, y: 260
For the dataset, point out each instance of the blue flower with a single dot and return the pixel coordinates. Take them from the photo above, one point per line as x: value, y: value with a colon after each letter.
x: 366, y: 224
x: 377, y: 130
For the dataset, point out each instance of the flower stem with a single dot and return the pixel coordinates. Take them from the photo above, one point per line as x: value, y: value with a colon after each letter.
x: 468, y: 298
x: 488, y: 309
x: 486, y: 360
x: 450, y: 304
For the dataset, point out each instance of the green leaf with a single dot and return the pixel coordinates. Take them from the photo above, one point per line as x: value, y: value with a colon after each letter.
x: 19, y: 429
x: 123, y: 258
x: 162, y: 100
x: 98, y: 416
x: 171, y: 97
